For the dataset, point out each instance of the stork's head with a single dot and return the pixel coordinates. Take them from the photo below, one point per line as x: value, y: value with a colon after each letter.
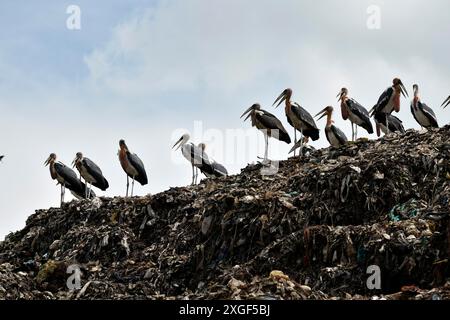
x: 182, y: 141
x: 398, y: 84
x: 202, y: 146
x: 446, y: 102
x: 123, y: 145
x: 50, y: 159
x: 255, y: 106
x: 343, y: 93
x: 286, y: 94
x: 325, y: 112
x: 78, y: 157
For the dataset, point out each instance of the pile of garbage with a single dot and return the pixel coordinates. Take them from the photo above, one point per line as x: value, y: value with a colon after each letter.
x: 369, y: 220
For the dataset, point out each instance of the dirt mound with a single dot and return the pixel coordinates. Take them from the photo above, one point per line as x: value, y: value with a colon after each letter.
x: 309, y: 231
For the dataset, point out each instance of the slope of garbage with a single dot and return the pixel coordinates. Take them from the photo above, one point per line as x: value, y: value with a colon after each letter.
x: 310, y: 230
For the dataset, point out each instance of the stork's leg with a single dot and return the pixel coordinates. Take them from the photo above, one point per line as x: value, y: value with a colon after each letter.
x: 90, y: 188
x: 193, y: 175
x: 132, y: 187
x: 353, y: 133
x: 128, y: 185
x: 295, y: 139
x: 301, y: 144
x: 196, y: 175
x: 356, y: 132
x: 61, y: 200
x: 266, y: 152
x: 85, y: 188
x: 387, y: 125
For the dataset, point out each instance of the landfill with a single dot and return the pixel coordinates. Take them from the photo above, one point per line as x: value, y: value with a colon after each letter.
x: 313, y: 230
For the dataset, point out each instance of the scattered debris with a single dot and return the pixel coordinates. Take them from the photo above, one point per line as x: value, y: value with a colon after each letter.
x: 309, y: 231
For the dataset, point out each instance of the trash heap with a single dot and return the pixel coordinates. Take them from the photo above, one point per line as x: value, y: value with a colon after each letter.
x: 310, y: 230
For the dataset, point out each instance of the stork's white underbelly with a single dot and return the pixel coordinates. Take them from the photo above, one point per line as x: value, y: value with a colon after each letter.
x: 86, y: 176
x: 389, y: 106
x: 383, y: 128
x: 353, y: 118
x: 332, y: 138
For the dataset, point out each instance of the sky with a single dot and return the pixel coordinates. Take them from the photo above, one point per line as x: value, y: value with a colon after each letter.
x: 149, y: 71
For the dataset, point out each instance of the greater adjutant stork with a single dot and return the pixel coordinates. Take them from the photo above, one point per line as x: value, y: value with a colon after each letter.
x: 383, y: 119
x: 423, y: 114
x: 390, y: 98
x: 210, y: 167
x: 132, y: 165
x: 355, y: 112
x: 90, y: 172
x: 446, y: 102
x: 268, y: 124
x: 335, y: 136
x: 194, y: 154
x: 67, y: 178
x: 298, y: 117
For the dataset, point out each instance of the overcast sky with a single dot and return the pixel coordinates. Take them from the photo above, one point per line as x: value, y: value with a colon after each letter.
x: 148, y: 71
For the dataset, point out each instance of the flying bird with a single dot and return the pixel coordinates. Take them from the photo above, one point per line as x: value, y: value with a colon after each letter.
x: 210, y: 167
x: 90, y: 172
x: 335, y: 136
x: 67, y: 178
x: 1, y: 158
x: 355, y: 112
x: 268, y: 124
x: 132, y: 165
x: 298, y: 117
x: 423, y: 114
x: 390, y: 99
x: 194, y: 154
x: 446, y: 102
x: 383, y: 119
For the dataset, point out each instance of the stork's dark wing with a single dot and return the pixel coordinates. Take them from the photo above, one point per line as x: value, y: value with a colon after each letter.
x: 219, y: 169
x: 362, y: 113
x: 137, y: 163
x: 429, y: 113
x: 70, y: 178
x: 339, y: 134
x: 304, y: 115
x: 383, y: 100
x: 269, y: 121
x: 395, y: 124
x: 96, y: 173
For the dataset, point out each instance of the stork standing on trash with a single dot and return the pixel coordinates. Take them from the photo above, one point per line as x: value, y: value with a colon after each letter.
x: 268, y: 124
x: 67, y: 178
x: 210, y: 168
x: 90, y: 172
x: 395, y: 124
x: 390, y: 99
x: 423, y: 114
x: 335, y: 136
x: 132, y: 165
x: 194, y: 154
x: 299, y: 118
x: 355, y: 112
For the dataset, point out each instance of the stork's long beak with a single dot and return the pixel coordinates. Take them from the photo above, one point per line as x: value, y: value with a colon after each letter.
x: 46, y: 163
x: 178, y: 143
x: 446, y: 102
x: 280, y: 99
x: 403, y: 90
x: 323, y: 113
x: 246, y: 111
x: 74, y: 162
x: 339, y: 95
